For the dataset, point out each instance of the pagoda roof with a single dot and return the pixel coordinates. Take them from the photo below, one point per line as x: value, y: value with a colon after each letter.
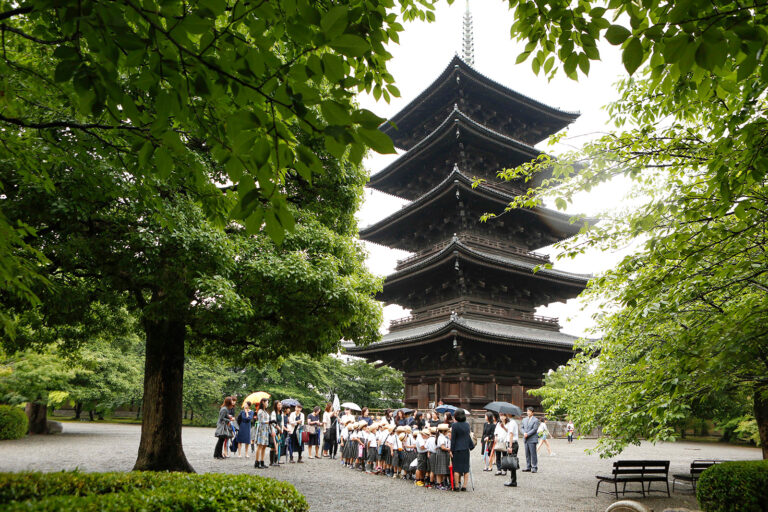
x: 408, y: 216
x: 486, y: 93
x: 512, y: 261
x: 456, y: 126
x: 488, y: 331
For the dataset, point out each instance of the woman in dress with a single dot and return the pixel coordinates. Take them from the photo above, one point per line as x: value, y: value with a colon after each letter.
x: 487, y: 440
x: 222, y: 428
x: 243, y: 438
x: 461, y: 444
x: 262, y: 433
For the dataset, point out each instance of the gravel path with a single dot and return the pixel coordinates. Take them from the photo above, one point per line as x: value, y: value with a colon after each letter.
x: 565, y: 481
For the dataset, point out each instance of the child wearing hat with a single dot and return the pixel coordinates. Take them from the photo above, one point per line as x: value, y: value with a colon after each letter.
x: 431, y: 446
x: 371, y: 447
x: 442, y: 456
x: 409, y: 453
x: 344, y: 436
x: 422, y: 454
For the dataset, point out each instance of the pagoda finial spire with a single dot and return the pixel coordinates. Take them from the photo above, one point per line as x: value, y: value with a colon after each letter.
x: 468, y: 41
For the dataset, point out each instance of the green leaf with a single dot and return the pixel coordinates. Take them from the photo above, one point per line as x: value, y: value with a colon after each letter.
x: 376, y: 140
x: 334, y: 21
x: 333, y: 67
x: 335, y: 113
x: 617, y: 34
x: 163, y: 162
x: 632, y: 56
x: 261, y: 150
x: 65, y: 70
x: 350, y: 45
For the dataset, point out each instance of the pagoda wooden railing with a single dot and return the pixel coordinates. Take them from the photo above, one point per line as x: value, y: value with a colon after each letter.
x: 470, y: 308
x: 503, y: 247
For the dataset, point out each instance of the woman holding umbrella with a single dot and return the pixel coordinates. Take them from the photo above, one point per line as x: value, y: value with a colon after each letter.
x: 262, y: 433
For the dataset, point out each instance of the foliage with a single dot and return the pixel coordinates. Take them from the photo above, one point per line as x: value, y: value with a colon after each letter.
x: 741, y: 486
x: 146, y: 491
x: 13, y: 422
x: 315, y: 381
x: 145, y: 86
x: 33, y: 376
x: 683, y: 320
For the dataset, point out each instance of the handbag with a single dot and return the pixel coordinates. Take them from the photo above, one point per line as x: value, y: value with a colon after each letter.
x: 305, y: 437
x: 510, y: 462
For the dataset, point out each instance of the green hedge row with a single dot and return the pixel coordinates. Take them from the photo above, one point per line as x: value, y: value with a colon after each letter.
x: 734, y: 486
x: 159, y: 492
x: 13, y: 422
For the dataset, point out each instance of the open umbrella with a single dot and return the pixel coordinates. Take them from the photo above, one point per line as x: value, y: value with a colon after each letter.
x: 352, y: 406
x: 503, y: 408
x: 290, y: 402
x: 405, y: 410
x: 256, y: 397
x: 442, y: 409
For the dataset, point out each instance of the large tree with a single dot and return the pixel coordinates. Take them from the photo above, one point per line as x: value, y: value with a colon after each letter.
x: 684, y: 318
x: 146, y: 83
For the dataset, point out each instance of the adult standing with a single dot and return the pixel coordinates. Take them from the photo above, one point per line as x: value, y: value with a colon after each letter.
x: 296, y: 426
x: 500, y: 438
x: 388, y: 417
x: 486, y: 441
x: 244, y: 420
x: 326, y: 426
x: 222, y: 428
x: 277, y: 424
x: 530, y: 433
x: 313, y: 428
x: 365, y: 416
x: 461, y: 444
x: 262, y: 433
x: 399, y: 418
x: 230, y: 424
x: 570, y: 428
x: 433, y: 419
x: 513, y: 435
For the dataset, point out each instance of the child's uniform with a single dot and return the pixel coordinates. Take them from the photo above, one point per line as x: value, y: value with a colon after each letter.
x: 442, y: 457
x: 422, y: 454
x: 353, y: 444
x: 397, y: 452
x: 381, y: 437
x: 344, y: 443
x: 431, y: 446
x: 410, y: 452
x: 370, y: 442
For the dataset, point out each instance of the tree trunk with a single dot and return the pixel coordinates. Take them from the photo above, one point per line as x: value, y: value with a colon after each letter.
x: 38, y: 418
x: 78, y: 410
x: 160, y: 446
x: 761, y: 415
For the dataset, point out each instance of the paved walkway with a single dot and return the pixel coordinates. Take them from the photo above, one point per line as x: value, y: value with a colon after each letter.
x: 565, y: 482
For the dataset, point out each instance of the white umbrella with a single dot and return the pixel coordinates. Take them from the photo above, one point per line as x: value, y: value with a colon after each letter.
x: 336, y: 405
x: 351, y: 405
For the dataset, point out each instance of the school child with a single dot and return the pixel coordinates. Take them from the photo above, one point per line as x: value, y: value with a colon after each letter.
x: 381, y: 437
x: 442, y: 457
x: 345, y: 444
x: 387, y: 448
x: 397, y: 451
x: 371, y: 447
x: 431, y: 445
x: 361, y: 437
x: 354, y: 443
x: 409, y: 453
x: 422, y: 466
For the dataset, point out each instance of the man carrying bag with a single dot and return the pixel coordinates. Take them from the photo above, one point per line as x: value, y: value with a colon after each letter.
x: 510, y: 462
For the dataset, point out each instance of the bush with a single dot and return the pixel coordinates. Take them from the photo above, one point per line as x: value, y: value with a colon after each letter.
x: 734, y: 486
x: 13, y: 422
x: 112, y: 492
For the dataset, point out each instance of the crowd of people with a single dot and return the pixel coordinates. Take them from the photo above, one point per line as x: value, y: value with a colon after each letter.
x: 430, y: 449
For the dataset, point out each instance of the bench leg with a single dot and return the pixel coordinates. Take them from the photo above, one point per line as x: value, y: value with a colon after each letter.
x: 642, y: 487
x: 669, y: 495
x: 616, y: 488
x: 597, y: 489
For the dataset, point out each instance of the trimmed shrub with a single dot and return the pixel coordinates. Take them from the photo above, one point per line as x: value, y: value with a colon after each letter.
x: 734, y: 486
x: 124, y: 492
x: 13, y: 422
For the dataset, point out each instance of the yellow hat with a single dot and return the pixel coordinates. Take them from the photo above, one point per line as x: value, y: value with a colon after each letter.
x: 443, y: 426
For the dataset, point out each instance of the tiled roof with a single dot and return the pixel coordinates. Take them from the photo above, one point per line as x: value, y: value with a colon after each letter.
x: 510, y: 332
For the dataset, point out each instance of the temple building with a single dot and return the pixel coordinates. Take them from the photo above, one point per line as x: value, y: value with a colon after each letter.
x: 473, y: 335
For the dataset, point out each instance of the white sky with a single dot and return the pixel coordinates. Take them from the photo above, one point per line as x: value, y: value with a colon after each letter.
x: 423, y: 53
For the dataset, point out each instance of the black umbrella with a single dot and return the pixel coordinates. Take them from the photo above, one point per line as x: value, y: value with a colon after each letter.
x: 503, y: 408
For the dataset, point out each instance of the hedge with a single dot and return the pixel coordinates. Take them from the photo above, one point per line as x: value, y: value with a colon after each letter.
x: 734, y: 486
x: 124, y: 492
x: 13, y: 422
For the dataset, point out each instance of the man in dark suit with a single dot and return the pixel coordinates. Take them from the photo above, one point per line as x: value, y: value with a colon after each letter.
x: 530, y: 433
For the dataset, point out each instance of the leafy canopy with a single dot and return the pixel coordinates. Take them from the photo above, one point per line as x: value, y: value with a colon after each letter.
x: 683, y: 320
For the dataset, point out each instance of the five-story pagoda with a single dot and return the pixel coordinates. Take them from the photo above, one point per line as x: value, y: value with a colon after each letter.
x: 472, y: 336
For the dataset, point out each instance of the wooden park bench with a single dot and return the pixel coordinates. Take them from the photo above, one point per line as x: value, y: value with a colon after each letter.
x: 697, y: 468
x: 635, y: 471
